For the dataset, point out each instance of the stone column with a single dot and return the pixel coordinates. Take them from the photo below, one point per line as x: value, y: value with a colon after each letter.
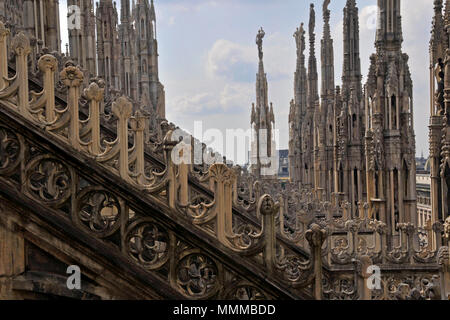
x: 444, y: 261
x: 362, y: 276
x: 316, y: 237
x: 12, y: 250
x: 403, y: 213
x: 72, y: 77
x: 21, y: 47
x: 122, y: 109
x: 4, y: 33
x: 95, y: 95
x: 48, y: 64
x: 268, y: 209
x: 12, y: 254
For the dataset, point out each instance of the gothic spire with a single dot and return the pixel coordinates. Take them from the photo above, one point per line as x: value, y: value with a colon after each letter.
x: 263, y: 119
x: 107, y: 43
x: 327, y: 54
x: 438, y: 39
x: 326, y: 19
x: 389, y: 32
x: 300, y: 82
x: 125, y: 11
x: 351, y: 73
x: 152, y: 11
x: 312, y: 63
x: 261, y: 78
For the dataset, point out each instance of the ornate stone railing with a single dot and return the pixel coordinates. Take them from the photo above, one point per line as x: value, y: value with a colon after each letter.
x: 278, y: 220
x: 106, y: 214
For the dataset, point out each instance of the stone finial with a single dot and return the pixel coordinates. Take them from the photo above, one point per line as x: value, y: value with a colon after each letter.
x: 315, y: 235
x: 137, y: 122
x: 267, y: 206
x: 99, y: 81
x: 47, y: 62
x: 122, y: 107
x: 94, y: 92
x: 4, y: 32
x: 221, y: 173
x: 71, y: 76
x: 21, y: 44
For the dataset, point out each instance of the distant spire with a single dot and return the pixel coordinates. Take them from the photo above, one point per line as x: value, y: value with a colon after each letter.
x: 312, y: 35
x: 327, y: 55
x: 326, y: 20
x: 125, y: 10
x: 261, y: 79
x: 253, y: 115
x: 262, y: 114
x: 152, y: 11
x: 389, y: 32
x: 300, y: 82
x: 437, y: 41
x: 312, y: 64
x: 351, y: 73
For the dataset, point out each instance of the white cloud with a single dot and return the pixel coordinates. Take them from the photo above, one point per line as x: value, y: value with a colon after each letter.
x: 225, y: 58
x: 235, y: 96
x: 200, y: 102
x: 238, y: 62
x: 229, y: 98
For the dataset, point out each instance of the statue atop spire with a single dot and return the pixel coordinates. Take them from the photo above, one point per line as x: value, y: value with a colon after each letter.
x: 299, y: 36
x: 312, y: 62
x: 327, y: 54
x: 300, y: 81
x: 312, y: 20
x: 326, y: 19
x: 263, y: 121
x: 326, y: 11
x: 259, y: 42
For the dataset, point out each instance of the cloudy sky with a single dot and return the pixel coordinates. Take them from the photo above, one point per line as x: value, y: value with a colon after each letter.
x: 208, y: 56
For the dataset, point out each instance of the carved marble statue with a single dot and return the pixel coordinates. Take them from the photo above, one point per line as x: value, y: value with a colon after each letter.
x: 259, y: 42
